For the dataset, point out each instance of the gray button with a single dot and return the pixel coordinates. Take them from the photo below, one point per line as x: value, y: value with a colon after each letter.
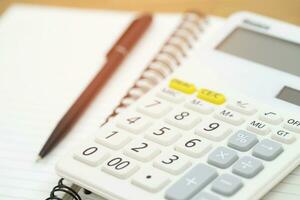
x: 222, y: 157
x: 191, y: 183
x: 205, y: 196
x: 267, y: 150
x: 247, y: 167
x: 242, y: 140
x: 226, y: 185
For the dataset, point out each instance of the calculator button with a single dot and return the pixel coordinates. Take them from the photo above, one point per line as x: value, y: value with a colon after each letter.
x: 271, y: 117
x: 91, y: 154
x: 242, y: 107
x: 182, y: 86
x: 247, y: 167
x: 230, y: 117
x: 191, y: 183
x: 141, y: 150
x: 227, y: 185
x: 133, y: 122
x: 183, y: 119
x: 120, y: 166
x: 171, y: 95
x: 222, y: 157
x: 242, y: 141
x: 205, y: 196
x: 267, y: 150
x: 193, y: 146
x: 163, y: 134
x: 284, y: 136
x: 258, y: 127
x: 292, y: 124
x: 150, y: 179
x: 200, y: 106
x: 172, y: 162
x: 154, y: 108
x: 211, y: 96
x: 213, y: 130
x: 113, y: 138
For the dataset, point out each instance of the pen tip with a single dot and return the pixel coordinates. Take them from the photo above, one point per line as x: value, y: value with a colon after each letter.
x: 38, y: 158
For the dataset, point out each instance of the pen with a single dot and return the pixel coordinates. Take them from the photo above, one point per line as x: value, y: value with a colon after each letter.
x: 114, y: 58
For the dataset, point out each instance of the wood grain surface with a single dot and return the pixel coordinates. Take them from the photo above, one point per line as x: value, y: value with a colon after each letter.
x: 287, y: 10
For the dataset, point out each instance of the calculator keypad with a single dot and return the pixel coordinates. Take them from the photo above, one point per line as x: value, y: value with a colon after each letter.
x: 175, y: 133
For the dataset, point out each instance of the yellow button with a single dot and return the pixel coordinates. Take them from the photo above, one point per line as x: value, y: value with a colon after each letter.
x: 211, y: 96
x: 182, y: 86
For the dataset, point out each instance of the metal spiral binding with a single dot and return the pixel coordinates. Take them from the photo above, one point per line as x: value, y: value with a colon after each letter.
x: 167, y: 59
x: 61, y: 188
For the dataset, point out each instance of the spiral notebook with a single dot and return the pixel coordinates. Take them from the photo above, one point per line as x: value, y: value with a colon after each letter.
x: 48, y: 55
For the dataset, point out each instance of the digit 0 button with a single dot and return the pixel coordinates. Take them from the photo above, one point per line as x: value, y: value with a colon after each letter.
x: 211, y: 96
x: 91, y: 154
x: 182, y: 86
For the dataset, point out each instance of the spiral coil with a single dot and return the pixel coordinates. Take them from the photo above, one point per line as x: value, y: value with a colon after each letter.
x: 61, y: 188
x: 167, y: 59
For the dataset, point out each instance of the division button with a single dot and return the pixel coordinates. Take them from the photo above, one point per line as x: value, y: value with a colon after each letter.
x: 191, y: 183
x: 247, y: 167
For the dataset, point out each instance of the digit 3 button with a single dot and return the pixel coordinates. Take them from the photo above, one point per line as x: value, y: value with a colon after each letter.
x: 150, y: 179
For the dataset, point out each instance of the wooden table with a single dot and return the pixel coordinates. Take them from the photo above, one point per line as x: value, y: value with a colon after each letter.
x: 287, y: 10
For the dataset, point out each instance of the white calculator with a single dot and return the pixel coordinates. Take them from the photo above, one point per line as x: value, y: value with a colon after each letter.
x: 225, y: 126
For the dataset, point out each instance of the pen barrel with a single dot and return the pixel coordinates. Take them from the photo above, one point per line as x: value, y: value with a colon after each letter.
x: 131, y: 35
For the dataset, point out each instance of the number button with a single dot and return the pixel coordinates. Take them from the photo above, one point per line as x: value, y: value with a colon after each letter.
x: 163, y: 134
x: 150, y: 179
x: 120, y: 166
x: 284, y: 136
x: 133, y: 122
x: 113, y: 138
x: 172, y: 162
x: 193, y: 146
x: 213, y: 130
x: 154, y: 108
x: 91, y: 154
x: 183, y: 119
x: 141, y: 150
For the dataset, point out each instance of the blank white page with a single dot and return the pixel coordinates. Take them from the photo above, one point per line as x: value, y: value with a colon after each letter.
x: 47, y: 57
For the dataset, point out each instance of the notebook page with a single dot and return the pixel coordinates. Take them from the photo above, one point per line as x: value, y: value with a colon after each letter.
x: 47, y: 56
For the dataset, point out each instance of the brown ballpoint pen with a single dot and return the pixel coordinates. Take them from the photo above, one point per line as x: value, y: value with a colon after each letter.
x: 113, y: 60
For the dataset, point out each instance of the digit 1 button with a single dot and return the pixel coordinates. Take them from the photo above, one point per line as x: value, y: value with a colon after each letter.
x: 182, y: 86
x: 193, y: 146
x: 150, y: 179
x: 120, y: 166
x: 211, y: 96
x: 112, y: 138
x: 172, y: 162
x: 91, y: 154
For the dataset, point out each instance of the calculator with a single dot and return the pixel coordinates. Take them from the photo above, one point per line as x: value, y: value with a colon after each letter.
x: 225, y: 126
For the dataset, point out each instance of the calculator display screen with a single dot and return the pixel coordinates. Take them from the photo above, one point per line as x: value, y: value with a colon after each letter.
x: 264, y: 49
x: 290, y: 95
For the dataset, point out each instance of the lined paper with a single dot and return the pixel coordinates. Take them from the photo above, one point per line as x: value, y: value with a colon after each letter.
x: 47, y: 57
